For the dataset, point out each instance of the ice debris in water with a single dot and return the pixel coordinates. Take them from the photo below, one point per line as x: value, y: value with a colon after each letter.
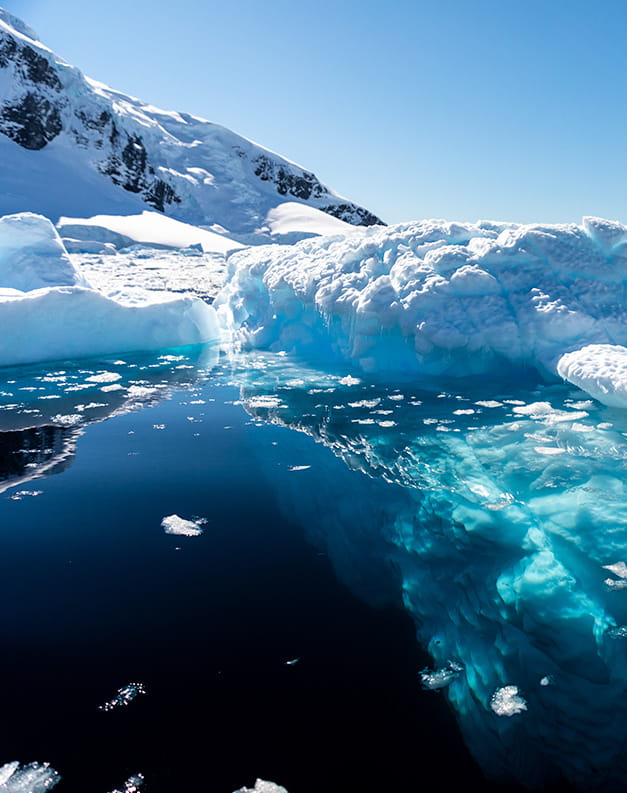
x: 440, y: 678
x: 620, y: 632
x: 132, y: 784
x: 31, y: 778
x: 261, y: 786
x: 507, y: 701
x: 123, y: 696
x: 174, y: 524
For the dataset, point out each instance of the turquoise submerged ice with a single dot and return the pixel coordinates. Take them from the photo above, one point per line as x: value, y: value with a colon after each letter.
x: 443, y: 298
x: 504, y: 521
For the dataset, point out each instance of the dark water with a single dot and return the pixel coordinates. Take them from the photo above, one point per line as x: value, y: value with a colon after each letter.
x: 95, y: 595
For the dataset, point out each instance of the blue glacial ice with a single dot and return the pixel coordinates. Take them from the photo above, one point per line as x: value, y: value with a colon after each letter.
x: 434, y: 297
x: 501, y: 525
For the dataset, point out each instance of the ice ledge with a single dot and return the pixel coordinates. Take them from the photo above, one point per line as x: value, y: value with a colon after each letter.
x: 600, y: 370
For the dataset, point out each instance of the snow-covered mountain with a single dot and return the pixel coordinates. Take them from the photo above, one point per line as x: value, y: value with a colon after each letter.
x: 72, y: 146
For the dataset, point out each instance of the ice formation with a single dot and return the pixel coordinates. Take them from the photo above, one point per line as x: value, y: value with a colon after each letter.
x: 31, y: 778
x: 132, y: 784
x: 48, y: 311
x: 173, y: 524
x: 434, y: 297
x: 499, y: 550
x: 124, y: 696
x: 261, y: 786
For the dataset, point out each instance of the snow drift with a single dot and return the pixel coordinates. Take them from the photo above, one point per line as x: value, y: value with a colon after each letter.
x: 48, y: 311
x: 434, y: 297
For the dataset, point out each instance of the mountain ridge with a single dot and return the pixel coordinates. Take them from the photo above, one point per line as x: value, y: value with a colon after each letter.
x: 77, y: 128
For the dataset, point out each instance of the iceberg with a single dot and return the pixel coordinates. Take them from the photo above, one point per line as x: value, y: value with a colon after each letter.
x: 442, y: 298
x: 48, y: 310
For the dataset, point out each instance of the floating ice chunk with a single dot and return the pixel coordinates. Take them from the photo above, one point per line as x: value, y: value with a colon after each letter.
x: 104, y: 377
x: 349, y: 380
x: 31, y: 778
x: 292, y: 662
x: 600, y: 370
x: 618, y: 568
x: 547, y: 680
x: 173, y: 524
x: 507, y: 701
x: 123, y: 696
x: 132, y: 784
x: 298, y: 467
x: 440, y: 678
x: 261, y: 786
x: 619, y: 632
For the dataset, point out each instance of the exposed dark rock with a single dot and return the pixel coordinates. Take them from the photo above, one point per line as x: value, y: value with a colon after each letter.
x: 32, y: 122
x: 8, y: 48
x: 303, y: 185
x: 351, y: 212
x: 37, y: 69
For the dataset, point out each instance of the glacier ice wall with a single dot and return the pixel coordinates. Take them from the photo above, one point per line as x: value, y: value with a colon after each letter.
x: 434, y: 297
x: 502, y: 524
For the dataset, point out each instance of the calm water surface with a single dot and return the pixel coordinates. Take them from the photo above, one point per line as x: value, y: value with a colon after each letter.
x: 96, y: 595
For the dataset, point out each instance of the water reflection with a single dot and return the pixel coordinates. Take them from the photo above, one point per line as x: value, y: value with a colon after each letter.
x: 43, y: 411
x: 497, y: 516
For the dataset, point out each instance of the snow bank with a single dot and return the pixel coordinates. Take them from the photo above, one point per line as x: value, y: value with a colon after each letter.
x: 435, y: 297
x: 151, y: 228
x: 291, y: 219
x: 47, y: 310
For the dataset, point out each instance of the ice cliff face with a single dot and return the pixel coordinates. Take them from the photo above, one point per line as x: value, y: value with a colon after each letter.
x: 434, y: 297
x: 96, y: 138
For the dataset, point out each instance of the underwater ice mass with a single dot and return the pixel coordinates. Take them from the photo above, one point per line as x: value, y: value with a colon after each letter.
x: 504, y: 523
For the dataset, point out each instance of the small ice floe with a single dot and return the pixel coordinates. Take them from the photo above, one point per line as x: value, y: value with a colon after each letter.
x: 123, y: 696
x: 620, y: 571
x: 31, y: 778
x: 158, y: 426
x: 261, y: 786
x: 174, y: 524
x: 298, y: 467
x: 348, y: 380
x: 547, y: 680
x: 132, y: 784
x: 20, y: 494
x: 440, y: 678
x: 507, y: 701
x: 104, y: 377
x: 292, y: 662
x: 620, y: 632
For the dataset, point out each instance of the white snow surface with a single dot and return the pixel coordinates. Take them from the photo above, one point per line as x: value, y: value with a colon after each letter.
x: 31, y: 778
x: 292, y: 218
x: 67, y: 319
x: 442, y: 298
x: 507, y: 701
x: 154, y: 228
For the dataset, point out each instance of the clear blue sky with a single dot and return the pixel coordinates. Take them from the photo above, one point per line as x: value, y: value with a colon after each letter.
x: 464, y: 109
